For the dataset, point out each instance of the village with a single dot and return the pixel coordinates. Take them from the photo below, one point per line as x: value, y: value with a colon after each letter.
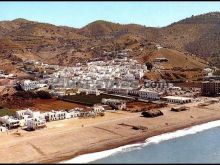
x: 115, y: 82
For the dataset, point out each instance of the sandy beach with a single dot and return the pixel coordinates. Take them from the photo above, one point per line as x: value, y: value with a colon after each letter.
x: 63, y: 140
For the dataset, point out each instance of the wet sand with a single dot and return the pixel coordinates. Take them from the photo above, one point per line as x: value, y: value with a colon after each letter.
x: 63, y: 140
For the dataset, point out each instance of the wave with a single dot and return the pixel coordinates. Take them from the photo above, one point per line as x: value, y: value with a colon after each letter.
x: 152, y: 140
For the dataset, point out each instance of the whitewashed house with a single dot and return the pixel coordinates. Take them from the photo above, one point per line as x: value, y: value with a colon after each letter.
x: 36, y: 123
x: 23, y: 120
x: 33, y: 114
x: 27, y: 114
x: 10, y: 122
x: 98, y: 108
x: 72, y: 113
x: 55, y: 115
x: 27, y: 85
x: 19, y: 114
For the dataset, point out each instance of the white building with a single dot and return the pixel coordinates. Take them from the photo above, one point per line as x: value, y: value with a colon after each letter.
x: 178, y: 99
x: 10, y: 122
x: 19, y: 114
x: 72, y: 114
x: 147, y: 94
x: 55, y: 115
x: 29, y: 85
x: 98, y: 108
x: 36, y: 123
x: 28, y: 112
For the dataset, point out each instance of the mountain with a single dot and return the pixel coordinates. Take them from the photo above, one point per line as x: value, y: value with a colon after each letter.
x: 196, y: 36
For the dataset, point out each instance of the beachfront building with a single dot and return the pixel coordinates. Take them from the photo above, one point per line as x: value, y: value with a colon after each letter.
x: 87, y: 112
x: 98, y: 108
x: 147, y: 94
x: 177, y: 99
x: 25, y: 115
x: 72, y: 113
x: 55, y: 115
x: 9, y: 122
x: 35, y: 123
x: 20, y: 114
x: 27, y: 112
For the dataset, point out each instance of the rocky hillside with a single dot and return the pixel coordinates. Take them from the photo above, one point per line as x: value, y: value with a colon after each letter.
x: 198, y: 36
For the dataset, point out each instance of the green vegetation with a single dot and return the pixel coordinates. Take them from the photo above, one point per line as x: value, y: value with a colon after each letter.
x: 89, y: 99
x: 5, y: 111
x: 32, y: 94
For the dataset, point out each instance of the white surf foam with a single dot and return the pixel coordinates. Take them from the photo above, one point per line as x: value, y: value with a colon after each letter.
x: 153, y: 140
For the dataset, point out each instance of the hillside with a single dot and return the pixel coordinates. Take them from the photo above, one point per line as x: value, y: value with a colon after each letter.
x: 198, y: 35
x: 191, y: 39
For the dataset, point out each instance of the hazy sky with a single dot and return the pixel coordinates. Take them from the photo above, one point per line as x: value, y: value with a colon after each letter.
x: 78, y: 14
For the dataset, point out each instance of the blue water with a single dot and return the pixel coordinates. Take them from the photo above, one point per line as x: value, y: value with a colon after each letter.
x: 202, y: 147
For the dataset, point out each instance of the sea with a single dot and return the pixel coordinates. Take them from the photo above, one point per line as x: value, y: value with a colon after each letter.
x: 196, y: 144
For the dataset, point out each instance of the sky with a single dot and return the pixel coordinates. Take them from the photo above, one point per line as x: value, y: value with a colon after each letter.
x: 79, y: 14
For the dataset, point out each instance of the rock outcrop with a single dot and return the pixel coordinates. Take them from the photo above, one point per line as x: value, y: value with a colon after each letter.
x: 152, y: 113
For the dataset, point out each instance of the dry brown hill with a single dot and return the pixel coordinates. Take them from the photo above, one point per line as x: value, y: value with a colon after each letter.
x: 21, y: 39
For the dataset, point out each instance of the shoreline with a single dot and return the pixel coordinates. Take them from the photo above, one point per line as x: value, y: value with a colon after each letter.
x: 67, y: 139
x: 132, y: 142
x: 91, y: 157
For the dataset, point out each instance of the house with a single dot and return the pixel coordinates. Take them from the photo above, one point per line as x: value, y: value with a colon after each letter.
x: 19, y: 114
x: 27, y: 85
x: 147, y: 94
x: 72, y: 113
x: 10, y: 122
x: 177, y: 99
x: 55, y: 115
x: 98, y: 108
x: 23, y: 120
x: 115, y: 103
x: 25, y: 115
x: 33, y: 114
x: 35, y: 123
x: 87, y: 112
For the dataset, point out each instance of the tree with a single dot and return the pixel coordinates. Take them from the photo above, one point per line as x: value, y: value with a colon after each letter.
x: 149, y: 65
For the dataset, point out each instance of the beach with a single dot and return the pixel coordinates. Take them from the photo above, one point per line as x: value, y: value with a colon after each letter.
x: 66, y: 139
